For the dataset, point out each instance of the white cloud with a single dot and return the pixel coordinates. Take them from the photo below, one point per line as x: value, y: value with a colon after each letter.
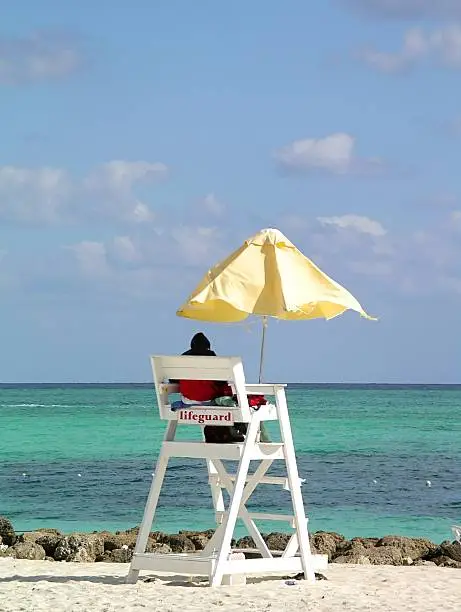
x: 353, y: 244
x: 348, y: 247
x: 212, y: 205
x: 196, y: 244
x: 125, y: 250
x: 138, y: 267
x: 408, y: 9
x: 415, y: 46
x: 363, y: 225
x: 33, y: 195
x: 422, y: 262
x: 119, y: 176
x: 446, y: 42
x: 107, y: 261
x: 334, y: 154
x: 442, y: 45
x: 127, y: 258
x: 112, y: 184
x: 50, y: 195
x: 38, y: 57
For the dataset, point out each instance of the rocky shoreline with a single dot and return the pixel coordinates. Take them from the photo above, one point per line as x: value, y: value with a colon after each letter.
x: 52, y: 545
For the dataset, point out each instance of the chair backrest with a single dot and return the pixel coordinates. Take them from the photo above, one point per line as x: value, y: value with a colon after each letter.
x: 191, y: 367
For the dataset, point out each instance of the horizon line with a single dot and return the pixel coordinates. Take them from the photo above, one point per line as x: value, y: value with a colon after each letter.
x: 151, y: 383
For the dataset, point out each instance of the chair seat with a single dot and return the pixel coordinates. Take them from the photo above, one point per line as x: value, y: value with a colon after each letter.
x: 205, y: 450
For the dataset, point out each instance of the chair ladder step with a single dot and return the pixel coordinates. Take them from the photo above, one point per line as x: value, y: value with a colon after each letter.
x: 272, y: 480
x: 186, y: 563
x: 262, y: 516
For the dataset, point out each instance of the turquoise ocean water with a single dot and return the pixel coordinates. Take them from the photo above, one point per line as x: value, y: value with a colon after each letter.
x: 81, y: 459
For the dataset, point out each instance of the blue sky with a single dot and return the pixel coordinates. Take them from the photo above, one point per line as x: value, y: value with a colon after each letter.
x: 143, y: 141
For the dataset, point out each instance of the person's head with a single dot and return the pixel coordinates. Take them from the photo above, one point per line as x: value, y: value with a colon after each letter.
x: 200, y: 343
x: 200, y: 346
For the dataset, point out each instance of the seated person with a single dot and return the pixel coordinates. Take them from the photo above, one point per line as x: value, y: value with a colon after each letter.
x: 194, y: 391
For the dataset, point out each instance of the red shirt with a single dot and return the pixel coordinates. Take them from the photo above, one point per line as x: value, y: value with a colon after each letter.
x: 203, y: 390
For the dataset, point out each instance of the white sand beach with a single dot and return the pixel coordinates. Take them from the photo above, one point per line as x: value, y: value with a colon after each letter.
x: 99, y: 587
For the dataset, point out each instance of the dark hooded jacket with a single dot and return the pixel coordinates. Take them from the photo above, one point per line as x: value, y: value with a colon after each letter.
x: 200, y: 345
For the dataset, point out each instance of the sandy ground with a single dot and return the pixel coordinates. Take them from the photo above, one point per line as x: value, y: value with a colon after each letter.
x: 99, y: 587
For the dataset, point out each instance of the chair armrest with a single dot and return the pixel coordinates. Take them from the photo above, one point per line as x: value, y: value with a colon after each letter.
x: 263, y: 388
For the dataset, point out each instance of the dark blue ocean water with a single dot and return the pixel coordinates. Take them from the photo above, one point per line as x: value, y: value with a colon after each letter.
x: 81, y: 458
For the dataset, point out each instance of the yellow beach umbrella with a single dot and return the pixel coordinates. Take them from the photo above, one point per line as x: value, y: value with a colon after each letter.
x: 267, y: 276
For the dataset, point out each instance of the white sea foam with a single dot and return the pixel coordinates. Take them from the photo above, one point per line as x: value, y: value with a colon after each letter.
x: 35, y: 406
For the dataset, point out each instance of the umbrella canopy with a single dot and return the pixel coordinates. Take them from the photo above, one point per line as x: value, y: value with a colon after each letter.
x: 270, y: 277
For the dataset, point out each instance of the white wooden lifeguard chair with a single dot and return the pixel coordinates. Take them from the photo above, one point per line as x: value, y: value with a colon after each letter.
x: 217, y: 561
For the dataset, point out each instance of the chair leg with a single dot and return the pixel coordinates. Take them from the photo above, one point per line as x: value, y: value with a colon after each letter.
x: 149, y: 512
x: 235, y: 502
x: 151, y: 503
x: 295, y: 487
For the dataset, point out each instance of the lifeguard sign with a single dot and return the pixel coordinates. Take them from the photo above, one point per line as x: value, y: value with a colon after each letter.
x: 205, y: 417
x: 217, y: 561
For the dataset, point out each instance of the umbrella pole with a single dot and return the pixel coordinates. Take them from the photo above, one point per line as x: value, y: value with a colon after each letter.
x: 264, y: 435
x: 261, y: 357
